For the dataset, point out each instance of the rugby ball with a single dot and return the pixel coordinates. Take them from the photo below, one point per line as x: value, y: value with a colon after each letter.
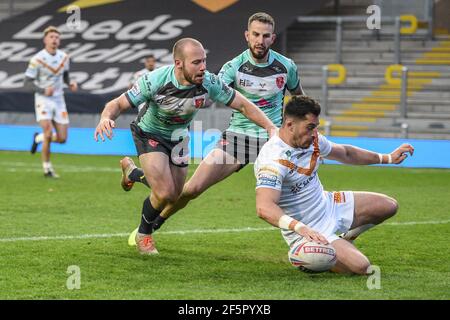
x: 310, y: 256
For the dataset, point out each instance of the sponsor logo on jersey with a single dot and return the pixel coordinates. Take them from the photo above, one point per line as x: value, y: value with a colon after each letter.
x: 199, y: 101
x: 300, y: 185
x: 339, y: 197
x: 226, y: 88
x: 179, y: 120
x: 213, y: 78
x: 135, y: 91
x: 263, y: 103
x: 269, y: 170
x: 267, y: 179
x: 277, y: 69
x: 245, y: 83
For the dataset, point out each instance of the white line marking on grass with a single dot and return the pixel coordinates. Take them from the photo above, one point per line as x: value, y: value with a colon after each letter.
x: 413, y: 223
x: 112, y: 235
x: 34, y: 167
x: 183, y: 232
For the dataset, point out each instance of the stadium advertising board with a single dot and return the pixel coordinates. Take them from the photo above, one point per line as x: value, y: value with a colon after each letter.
x: 108, y: 39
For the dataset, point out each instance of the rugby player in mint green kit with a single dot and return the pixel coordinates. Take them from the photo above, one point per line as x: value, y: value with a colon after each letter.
x: 261, y: 75
x: 173, y: 95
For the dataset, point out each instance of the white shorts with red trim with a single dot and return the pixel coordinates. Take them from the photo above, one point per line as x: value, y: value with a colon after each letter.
x: 340, y: 207
x: 51, y: 108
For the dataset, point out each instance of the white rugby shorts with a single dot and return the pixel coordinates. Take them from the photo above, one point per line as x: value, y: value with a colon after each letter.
x: 340, y: 209
x: 51, y: 108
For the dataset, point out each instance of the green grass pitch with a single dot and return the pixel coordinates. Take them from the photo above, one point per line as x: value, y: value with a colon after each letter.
x: 412, y: 249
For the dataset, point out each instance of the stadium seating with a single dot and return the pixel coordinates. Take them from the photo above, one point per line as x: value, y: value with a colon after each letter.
x: 9, y: 8
x: 365, y: 105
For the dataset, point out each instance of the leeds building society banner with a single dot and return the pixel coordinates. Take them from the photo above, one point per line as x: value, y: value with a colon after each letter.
x: 108, y: 39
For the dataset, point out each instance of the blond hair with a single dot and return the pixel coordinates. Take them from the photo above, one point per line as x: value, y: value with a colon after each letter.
x: 50, y: 29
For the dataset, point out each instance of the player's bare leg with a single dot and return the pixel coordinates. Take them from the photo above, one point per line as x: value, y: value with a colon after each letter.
x: 370, y: 209
x: 47, y: 129
x: 349, y: 258
x: 217, y: 166
x: 61, y: 132
x: 167, y: 181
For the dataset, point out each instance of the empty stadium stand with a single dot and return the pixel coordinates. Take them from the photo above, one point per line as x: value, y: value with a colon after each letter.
x: 9, y: 8
x: 365, y: 104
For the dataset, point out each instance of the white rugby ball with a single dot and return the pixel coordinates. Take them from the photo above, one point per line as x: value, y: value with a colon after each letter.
x: 310, y: 256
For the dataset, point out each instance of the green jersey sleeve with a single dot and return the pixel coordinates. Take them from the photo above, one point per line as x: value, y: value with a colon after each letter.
x: 293, y: 80
x: 142, y: 91
x: 228, y: 73
x: 217, y: 89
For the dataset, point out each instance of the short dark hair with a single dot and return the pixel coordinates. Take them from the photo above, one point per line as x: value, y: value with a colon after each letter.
x: 299, y: 106
x: 261, y: 17
x: 150, y: 56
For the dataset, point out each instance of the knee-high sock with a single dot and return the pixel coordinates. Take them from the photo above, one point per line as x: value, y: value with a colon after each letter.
x: 150, y: 220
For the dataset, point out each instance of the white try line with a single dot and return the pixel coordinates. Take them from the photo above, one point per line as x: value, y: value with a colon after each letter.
x: 185, y: 232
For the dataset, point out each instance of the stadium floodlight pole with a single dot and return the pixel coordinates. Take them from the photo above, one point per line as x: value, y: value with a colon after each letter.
x: 327, y: 127
x: 339, y: 40
x: 397, y: 59
x: 405, y: 128
x: 11, y: 8
x: 324, y: 101
x: 430, y: 18
x: 404, y: 94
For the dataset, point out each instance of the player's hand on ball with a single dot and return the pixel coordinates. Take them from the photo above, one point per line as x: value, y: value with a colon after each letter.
x: 400, y: 154
x: 311, y: 235
x: 105, y: 126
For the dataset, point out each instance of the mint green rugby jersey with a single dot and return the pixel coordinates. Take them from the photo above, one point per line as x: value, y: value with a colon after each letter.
x: 263, y: 84
x: 170, y: 106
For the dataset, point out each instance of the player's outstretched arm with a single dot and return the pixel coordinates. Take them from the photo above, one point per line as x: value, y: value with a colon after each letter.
x: 111, y: 112
x: 400, y: 154
x: 253, y: 113
x: 268, y: 210
x: 353, y: 155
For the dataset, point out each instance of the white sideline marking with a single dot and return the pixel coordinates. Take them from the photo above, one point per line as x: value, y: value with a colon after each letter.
x: 37, y: 167
x: 183, y: 232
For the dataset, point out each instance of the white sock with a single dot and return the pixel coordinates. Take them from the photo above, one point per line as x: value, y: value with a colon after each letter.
x: 355, y: 232
x: 47, y: 165
x: 39, y: 138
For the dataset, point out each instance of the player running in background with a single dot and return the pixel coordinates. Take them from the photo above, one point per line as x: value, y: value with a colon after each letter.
x: 261, y: 75
x: 47, y: 71
x: 289, y: 194
x: 149, y: 66
x: 173, y: 95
